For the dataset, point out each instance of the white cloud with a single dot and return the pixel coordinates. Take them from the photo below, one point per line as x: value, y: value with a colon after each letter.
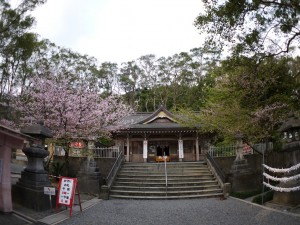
x: 119, y: 30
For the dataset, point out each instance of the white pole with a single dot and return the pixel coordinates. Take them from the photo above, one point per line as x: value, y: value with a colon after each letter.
x: 165, y: 159
x: 263, y: 189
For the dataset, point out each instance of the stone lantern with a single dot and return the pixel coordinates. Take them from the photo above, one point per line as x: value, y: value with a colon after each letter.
x: 29, y: 190
x: 242, y: 178
x: 290, y: 130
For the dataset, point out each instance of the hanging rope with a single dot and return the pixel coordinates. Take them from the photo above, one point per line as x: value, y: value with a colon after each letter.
x: 276, y: 170
x: 281, y: 189
x: 281, y: 179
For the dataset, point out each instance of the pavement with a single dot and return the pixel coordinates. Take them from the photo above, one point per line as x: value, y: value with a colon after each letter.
x: 22, y: 215
x: 25, y: 216
x: 212, y: 211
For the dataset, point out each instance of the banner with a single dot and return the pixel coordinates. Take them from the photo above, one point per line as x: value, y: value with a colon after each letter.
x: 145, y: 149
x: 180, y: 148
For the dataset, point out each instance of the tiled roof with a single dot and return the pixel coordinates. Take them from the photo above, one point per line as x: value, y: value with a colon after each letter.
x: 146, y: 121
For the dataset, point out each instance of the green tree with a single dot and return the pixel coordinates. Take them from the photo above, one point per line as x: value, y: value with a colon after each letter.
x: 251, y: 26
x: 17, y: 45
x: 251, y: 99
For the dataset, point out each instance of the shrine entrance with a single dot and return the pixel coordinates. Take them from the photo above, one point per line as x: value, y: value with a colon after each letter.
x: 146, y: 137
x: 157, y: 149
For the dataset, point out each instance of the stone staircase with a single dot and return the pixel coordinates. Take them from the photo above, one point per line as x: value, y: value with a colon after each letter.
x: 148, y: 181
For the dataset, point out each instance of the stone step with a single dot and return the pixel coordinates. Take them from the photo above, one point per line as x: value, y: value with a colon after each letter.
x: 162, y: 167
x: 169, y: 171
x: 162, y: 179
x: 169, y: 165
x: 162, y: 176
x: 148, y: 181
x: 163, y: 193
x: 163, y: 188
x: 162, y: 184
x: 215, y: 195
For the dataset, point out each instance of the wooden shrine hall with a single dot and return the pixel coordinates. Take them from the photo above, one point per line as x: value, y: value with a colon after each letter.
x: 147, y: 137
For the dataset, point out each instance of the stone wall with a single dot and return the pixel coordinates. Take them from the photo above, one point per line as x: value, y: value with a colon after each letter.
x: 274, y: 159
x: 75, y: 163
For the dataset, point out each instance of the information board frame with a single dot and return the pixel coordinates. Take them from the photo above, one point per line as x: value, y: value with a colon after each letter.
x: 66, y: 193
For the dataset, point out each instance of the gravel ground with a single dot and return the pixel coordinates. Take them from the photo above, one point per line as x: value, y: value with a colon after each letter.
x: 179, y: 212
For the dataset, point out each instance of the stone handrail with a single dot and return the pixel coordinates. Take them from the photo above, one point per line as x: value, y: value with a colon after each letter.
x: 221, y: 178
x: 104, y: 191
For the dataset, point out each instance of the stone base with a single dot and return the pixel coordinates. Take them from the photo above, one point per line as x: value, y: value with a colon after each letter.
x: 89, y: 183
x: 33, y: 180
x: 89, y: 177
x: 242, y: 178
x: 240, y: 167
x: 245, y: 182
x: 287, y: 198
x: 104, y: 192
x: 33, y: 199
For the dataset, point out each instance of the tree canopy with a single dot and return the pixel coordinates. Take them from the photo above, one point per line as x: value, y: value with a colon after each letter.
x: 261, y: 27
x: 252, y: 99
x: 70, y: 108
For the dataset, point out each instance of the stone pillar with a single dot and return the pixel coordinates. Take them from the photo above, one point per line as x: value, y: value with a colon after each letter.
x: 197, y: 149
x: 291, y: 129
x: 7, y: 142
x: 29, y: 190
x: 242, y: 177
x: 145, y: 150
x: 128, y: 149
x: 89, y: 177
x: 5, y: 180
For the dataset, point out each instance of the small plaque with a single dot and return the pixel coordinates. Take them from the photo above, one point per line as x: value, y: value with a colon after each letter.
x: 49, y: 190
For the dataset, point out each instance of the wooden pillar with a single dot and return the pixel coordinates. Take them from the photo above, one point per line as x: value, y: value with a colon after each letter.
x: 197, y: 149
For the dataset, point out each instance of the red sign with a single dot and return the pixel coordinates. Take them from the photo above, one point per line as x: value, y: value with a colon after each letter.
x: 66, y: 192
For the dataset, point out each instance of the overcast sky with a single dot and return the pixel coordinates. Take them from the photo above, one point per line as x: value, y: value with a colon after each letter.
x: 120, y: 30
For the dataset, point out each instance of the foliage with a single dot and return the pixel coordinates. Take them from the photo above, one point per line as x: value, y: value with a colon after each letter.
x: 266, y: 197
x: 245, y: 194
x: 17, y: 45
x: 253, y: 26
x: 56, y: 168
x: 249, y: 98
x: 70, y: 108
x: 106, y: 141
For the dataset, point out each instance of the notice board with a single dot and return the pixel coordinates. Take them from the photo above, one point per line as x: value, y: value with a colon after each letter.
x: 66, y: 192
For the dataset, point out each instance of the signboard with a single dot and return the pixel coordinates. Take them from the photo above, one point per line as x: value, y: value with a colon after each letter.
x: 180, y: 148
x: 66, y: 190
x: 145, y: 149
x: 49, y: 190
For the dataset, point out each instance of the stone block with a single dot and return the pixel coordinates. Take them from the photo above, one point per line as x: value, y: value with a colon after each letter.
x: 32, y: 199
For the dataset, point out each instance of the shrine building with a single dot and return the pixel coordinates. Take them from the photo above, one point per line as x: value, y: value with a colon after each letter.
x: 148, y: 137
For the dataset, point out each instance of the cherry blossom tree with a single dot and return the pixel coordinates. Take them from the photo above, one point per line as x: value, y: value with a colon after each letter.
x: 70, y: 109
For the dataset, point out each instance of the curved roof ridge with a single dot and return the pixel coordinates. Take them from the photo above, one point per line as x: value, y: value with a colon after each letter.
x: 163, y: 109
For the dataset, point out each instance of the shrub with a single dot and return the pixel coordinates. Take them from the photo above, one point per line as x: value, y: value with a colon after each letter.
x: 245, y: 194
x: 268, y: 196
